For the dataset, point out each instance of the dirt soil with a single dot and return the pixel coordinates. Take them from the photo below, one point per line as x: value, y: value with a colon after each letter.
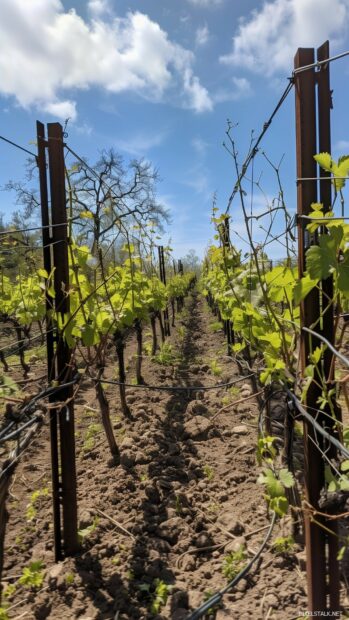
x: 185, y: 495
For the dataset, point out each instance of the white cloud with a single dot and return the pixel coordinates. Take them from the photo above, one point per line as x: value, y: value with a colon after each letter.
x: 61, y: 109
x: 206, y: 3
x: 240, y: 89
x: 98, y: 7
x: 45, y: 51
x: 85, y: 129
x: 266, y: 42
x: 140, y: 144
x: 199, y: 99
x: 202, y: 35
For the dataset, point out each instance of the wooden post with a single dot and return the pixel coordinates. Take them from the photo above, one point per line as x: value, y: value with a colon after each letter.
x: 68, y: 497
x: 324, y: 133
x: 309, y: 313
x: 51, y: 371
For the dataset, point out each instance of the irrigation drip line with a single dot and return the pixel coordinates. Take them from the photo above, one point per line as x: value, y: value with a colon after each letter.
x: 317, y: 426
x: 18, y: 146
x: 340, y: 356
x: 254, y: 150
x: 26, y: 409
x: 319, y: 63
x: 50, y: 392
x: 174, y: 388
x: 216, y: 598
x: 19, y: 430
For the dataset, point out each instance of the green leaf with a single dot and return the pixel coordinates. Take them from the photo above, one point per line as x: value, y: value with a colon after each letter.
x: 273, y: 485
x: 344, y: 484
x: 322, y: 259
x: 279, y: 505
x: 42, y: 273
x: 303, y: 287
x: 286, y: 478
x: 315, y: 356
x: 345, y: 466
x: 325, y: 161
x: 86, y: 214
x: 343, y: 275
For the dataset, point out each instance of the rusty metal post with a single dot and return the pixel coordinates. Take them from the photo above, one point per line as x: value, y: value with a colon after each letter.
x: 163, y: 279
x: 309, y: 314
x: 325, y: 190
x: 65, y: 415
x: 51, y: 375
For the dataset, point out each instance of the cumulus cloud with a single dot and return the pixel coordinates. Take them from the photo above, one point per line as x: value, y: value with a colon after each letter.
x: 266, y: 41
x: 240, y: 89
x: 45, y: 51
x: 202, y: 35
x: 206, y: 3
x: 199, y: 99
x: 61, y: 109
x: 98, y: 7
x: 139, y: 144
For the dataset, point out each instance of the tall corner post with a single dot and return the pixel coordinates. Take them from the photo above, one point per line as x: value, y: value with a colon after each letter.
x: 60, y: 249
x: 328, y: 329
x: 50, y: 351
x: 306, y: 148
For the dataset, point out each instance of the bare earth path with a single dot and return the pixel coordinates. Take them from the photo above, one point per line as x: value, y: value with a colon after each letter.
x: 185, y: 496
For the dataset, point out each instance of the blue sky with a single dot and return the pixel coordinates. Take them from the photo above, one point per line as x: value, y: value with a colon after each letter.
x: 158, y: 80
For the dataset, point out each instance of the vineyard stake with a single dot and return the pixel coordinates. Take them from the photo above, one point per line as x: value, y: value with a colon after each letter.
x: 65, y: 414
x: 328, y: 331
x: 51, y: 375
x: 162, y: 271
x: 309, y: 314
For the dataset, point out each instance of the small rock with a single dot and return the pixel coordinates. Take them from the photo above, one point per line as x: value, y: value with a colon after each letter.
x: 132, y: 398
x: 240, y: 430
x: 196, y: 408
x: 197, y: 428
x: 85, y: 519
x: 127, y: 459
x: 141, y: 413
x: 235, y: 545
x: 56, y: 571
x: 127, y: 443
